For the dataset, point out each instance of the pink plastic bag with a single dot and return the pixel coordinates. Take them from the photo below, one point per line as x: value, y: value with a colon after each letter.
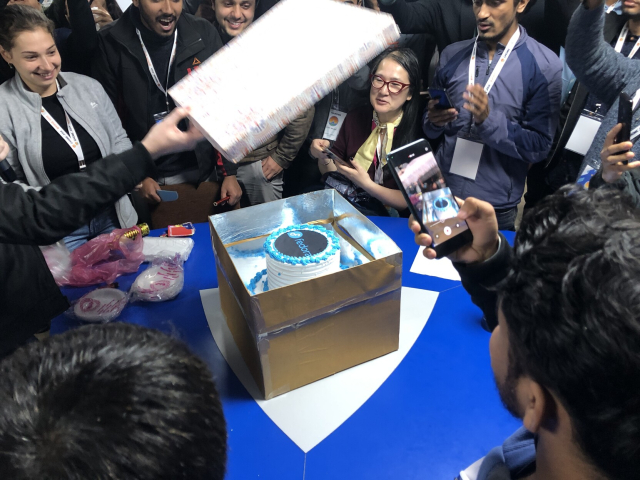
x: 104, y: 258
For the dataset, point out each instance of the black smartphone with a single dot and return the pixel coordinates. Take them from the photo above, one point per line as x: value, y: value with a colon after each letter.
x: 440, y: 94
x: 625, y: 117
x: 429, y: 199
x: 333, y: 157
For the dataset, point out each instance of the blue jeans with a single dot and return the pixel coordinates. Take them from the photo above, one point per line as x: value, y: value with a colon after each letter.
x: 507, y: 218
x: 105, y: 222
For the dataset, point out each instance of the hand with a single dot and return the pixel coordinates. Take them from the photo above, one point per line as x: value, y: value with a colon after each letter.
x: 482, y: 222
x: 357, y: 174
x: 165, y: 137
x: 231, y: 188
x: 612, y: 156
x: 318, y: 146
x: 148, y: 189
x: 4, y: 149
x: 270, y: 168
x: 477, y: 102
x: 438, y: 116
x: 101, y: 17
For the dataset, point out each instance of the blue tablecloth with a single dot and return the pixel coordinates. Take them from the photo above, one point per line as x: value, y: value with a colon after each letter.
x: 436, y: 414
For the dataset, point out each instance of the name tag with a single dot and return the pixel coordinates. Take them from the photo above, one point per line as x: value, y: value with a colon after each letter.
x: 466, y: 158
x: 584, y: 133
x: 334, y: 123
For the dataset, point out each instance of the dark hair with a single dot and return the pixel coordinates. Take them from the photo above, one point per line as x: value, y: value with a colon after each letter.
x: 113, y: 401
x: 16, y: 19
x: 572, y: 307
x: 57, y: 12
x: 408, y: 129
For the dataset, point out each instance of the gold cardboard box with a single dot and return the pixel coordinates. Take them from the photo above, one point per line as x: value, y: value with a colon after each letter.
x: 295, y: 335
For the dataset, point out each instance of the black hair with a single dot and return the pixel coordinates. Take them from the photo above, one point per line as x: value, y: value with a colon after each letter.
x: 15, y: 19
x: 572, y: 307
x: 408, y: 129
x: 113, y: 401
x: 57, y: 12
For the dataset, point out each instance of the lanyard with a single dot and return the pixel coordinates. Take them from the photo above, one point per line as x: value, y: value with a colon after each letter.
x: 71, y: 138
x: 623, y: 37
x: 152, y: 70
x: 503, y: 59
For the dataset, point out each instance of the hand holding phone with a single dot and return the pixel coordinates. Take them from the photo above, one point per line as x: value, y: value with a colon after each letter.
x: 167, y: 195
x: 332, y: 156
x: 430, y: 201
x: 625, y: 117
x: 440, y: 94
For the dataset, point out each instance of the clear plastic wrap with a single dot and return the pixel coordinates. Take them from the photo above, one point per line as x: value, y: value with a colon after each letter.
x: 162, y: 281
x: 99, y: 306
x: 158, y: 247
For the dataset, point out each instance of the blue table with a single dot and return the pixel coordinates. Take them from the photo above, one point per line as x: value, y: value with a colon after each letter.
x: 436, y: 414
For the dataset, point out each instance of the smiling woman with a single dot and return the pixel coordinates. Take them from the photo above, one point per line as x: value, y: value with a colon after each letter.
x: 55, y: 124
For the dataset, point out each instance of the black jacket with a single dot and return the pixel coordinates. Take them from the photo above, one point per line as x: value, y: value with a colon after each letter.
x: 121, y: 68
x: 451, y: 21
x: 480, y: 280
x: 29, y: 296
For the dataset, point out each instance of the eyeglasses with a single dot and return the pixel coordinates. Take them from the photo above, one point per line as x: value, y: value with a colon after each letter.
x: 393, y: 86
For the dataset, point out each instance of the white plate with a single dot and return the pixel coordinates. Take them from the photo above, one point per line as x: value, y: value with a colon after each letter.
x: 101, y: 305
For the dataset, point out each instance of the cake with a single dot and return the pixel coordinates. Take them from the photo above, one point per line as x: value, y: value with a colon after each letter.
x: 300, y: 252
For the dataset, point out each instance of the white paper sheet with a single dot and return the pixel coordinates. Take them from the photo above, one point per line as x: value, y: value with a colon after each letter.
x: 583, y: 135
x: 442, y: 267
x: 309, y: 414
x: 466, y: 158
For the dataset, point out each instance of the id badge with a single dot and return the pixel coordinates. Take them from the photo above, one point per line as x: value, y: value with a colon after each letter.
x: 335, y: 121
x: 584, y: 133
x: 466, y: 157
x: 158, y: 117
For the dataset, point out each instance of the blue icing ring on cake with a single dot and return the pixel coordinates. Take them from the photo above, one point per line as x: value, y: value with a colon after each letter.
x: 251, y: 286
x: 333, y: 245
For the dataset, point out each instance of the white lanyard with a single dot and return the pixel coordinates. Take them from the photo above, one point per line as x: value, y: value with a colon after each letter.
x: 496, y: 71
x: 71, y: 138
x: 152, y: 70
x: 623, y: 37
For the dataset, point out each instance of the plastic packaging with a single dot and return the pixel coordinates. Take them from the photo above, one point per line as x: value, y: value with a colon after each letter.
x: 99, y: 306
x: 163, y: 280
x: 157, y: 247
x: 58, y: 258
x: 103, y: 259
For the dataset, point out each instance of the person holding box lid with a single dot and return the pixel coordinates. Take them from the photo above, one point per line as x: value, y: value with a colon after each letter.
x: 505, y: 88
x: 29, y: 295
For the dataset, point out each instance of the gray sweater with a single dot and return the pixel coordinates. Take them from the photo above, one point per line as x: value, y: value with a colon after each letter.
x: 86, y: 102
x: 606, y: 74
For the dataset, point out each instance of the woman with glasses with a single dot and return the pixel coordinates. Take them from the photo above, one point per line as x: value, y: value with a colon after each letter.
x: 369, y: 133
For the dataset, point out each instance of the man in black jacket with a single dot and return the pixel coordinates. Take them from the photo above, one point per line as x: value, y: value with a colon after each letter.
x: 29, y: 295
x: 143, y: 54
x: 564, y: 352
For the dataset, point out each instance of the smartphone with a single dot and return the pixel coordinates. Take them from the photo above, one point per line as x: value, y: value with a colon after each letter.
x: 625, y: 117
x: 440, y: 94
x: 167, y: 195
x: 430, y: 201
x: 333, y: 157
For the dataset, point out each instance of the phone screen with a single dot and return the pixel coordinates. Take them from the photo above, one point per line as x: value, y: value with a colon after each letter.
x: 429, y: 199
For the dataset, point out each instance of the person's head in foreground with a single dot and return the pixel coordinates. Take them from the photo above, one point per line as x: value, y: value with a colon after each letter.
x: 565, y: 353
x: 112, y: 401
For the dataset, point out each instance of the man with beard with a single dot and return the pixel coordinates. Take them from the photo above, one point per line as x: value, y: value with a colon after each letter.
x: 565, y: 351
x: 141, y: 55
x: 504, y: 89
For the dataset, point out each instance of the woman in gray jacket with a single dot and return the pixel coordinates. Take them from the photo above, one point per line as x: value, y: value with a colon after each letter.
x: 55, y: 124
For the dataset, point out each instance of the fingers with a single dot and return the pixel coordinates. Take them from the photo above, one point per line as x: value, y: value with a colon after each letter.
x: 611, y: 136
x: 473, y: 208
x: 177, y: 115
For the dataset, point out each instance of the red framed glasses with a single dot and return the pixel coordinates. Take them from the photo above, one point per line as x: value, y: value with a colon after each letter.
x: 393, y: 86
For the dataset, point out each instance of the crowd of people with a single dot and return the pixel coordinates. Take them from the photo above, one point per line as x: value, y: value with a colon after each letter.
x: 93, y: 138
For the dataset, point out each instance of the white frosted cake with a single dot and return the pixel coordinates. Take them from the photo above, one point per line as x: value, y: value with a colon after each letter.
x: 300, y: 252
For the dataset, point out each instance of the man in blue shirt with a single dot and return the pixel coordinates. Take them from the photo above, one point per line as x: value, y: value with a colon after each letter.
x: 505, y: 92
